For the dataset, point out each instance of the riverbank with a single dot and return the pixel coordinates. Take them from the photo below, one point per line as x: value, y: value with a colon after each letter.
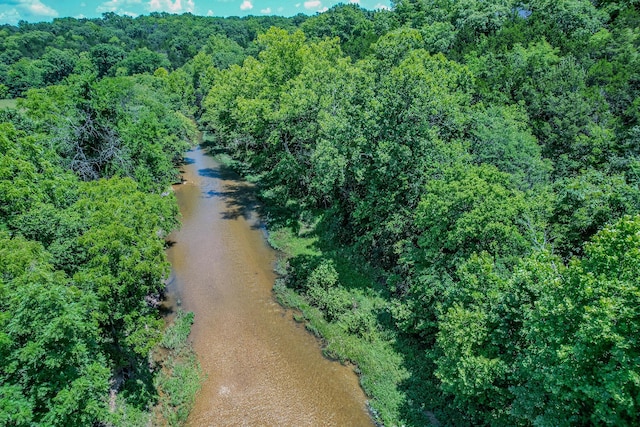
x: 180, y: 375
x: 340, y: 298
x: 260, y: 367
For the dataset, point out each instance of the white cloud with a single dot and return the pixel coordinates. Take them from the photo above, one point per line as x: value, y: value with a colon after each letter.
x: 171, y: 6
x: 38, y: 8
x: 312, y: 4
x: 108, y: 6
x: 30, y: 10
x: 81, y: 16
x: 280, y: 9
x: 83, y: 4
x: 115, y: 6
x: 324, y: 9
x: 34, y: 7
x: 210, y: 12
x: 11, y: 16
x: 246, y: 5
x: 381, y: 6
x: 298, y: 4
x: 266, y: 11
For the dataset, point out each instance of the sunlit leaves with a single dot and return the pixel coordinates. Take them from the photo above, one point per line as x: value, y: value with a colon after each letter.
x: 50, y: 364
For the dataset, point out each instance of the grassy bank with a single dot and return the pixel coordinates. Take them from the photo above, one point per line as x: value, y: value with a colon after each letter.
x: 340, y: 299
x: 176, y: 380
x: 180, y: 376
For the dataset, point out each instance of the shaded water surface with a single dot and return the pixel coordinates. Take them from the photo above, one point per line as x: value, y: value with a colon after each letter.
x: 262, y: 368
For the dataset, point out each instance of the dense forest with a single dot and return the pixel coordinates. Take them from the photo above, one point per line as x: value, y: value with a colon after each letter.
x: 454, y: 186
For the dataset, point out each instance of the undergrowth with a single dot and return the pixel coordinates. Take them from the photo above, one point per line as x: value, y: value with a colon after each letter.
x: 341, y: 301
x: 180, y: 377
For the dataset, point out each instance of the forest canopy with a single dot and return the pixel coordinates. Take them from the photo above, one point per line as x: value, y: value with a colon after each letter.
x: 467, y: 169
x: 84, y: 171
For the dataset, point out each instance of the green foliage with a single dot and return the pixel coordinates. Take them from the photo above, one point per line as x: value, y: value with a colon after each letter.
x: 501, y: 137
x: 23, y: 75
x: 552, y: 343
x: 97, y: 135
x: 494, y: 189
x: 393, y: 46
x: 350, y: 23
x: 175, y: 337
x: 52, y: 369
x: 470, y: 20
x: 471, y: 210
x: 58, y: 64
x: 178, y: 385
x: 80, y: 261
x: 125, y: 259
x: 586, y: 203
x: 223, y: 52
x: 472, y: 181
x: 603, y: 345
x: 481, y: 342
x: 141, y: 61
x: 180, y: 377
x: 105, y: 56
x: 73, y: 331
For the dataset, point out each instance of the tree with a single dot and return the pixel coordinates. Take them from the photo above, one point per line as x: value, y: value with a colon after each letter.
x: 125, y: 261
x: 57, y: 64
x: 482, y: 347
x: 51, y: 366
x: 350, y: 23
x: 223, y: 52
x: 501, y: 137
x: 23, y: 75
x: 584, y: 335
x: 394, y: 46
x: 142, y: 61
x: 472, y: 210
x: 418, y: 110
x: 105, y: 56
x: 585, y: 204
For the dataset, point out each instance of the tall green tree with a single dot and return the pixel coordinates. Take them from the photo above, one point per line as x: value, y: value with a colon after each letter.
x: 52, y: 368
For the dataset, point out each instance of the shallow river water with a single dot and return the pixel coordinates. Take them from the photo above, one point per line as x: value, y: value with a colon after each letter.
x: 261, y: 367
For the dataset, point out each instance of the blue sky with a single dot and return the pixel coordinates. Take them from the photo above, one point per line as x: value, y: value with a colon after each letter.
x: 11, y: 11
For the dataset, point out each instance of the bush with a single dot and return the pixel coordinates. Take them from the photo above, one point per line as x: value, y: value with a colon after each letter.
x: 175, y: 337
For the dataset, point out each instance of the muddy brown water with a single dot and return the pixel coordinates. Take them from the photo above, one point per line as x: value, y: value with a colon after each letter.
x: 261, y: 367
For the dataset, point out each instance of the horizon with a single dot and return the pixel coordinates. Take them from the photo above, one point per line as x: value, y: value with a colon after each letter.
x: 32, y: 11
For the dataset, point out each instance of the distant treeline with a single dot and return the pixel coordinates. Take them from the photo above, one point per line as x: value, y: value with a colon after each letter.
x: 35, y: 55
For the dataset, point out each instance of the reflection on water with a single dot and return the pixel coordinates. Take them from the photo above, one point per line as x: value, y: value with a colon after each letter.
x: 262, y: 368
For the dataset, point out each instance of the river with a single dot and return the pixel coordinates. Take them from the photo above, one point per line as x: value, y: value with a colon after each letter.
x: 262, y: 368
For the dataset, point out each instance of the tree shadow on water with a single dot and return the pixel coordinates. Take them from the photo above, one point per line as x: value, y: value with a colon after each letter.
x: 239, y: 196
x: 210, y: 173
x: 240, y: 200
